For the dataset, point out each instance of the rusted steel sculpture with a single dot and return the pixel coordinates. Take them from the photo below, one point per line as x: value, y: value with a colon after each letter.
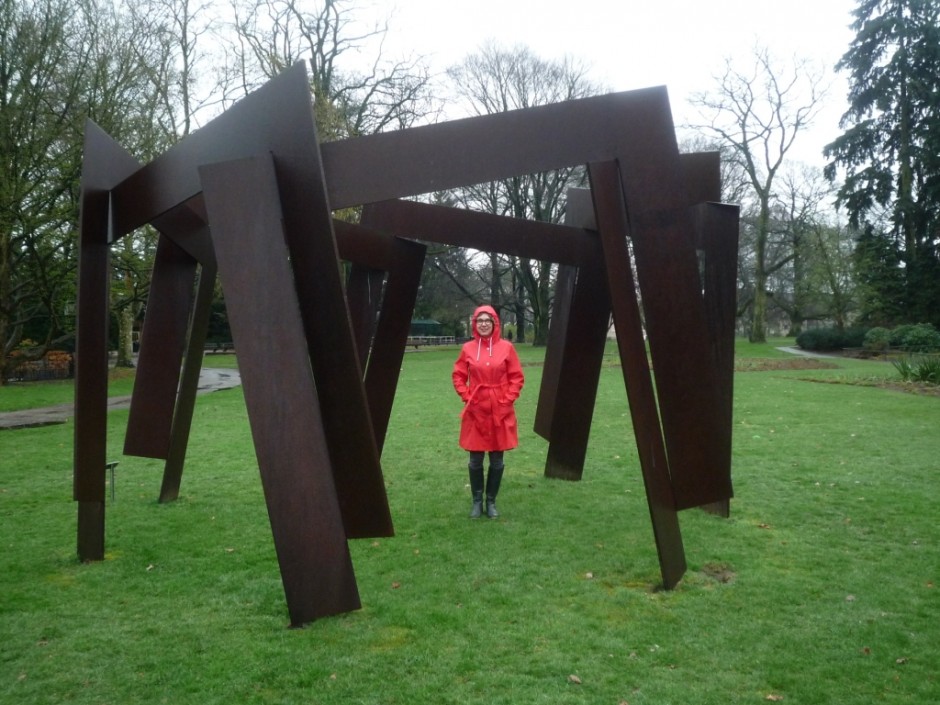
x: 250, y: 197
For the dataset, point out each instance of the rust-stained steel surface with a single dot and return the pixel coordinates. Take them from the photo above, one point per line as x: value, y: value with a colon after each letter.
x: 162, y: 344
x: 575, y: 352
x: 612, y: 226
x: 284, y: 408
x: 105, y: 164
x: 320, y: 365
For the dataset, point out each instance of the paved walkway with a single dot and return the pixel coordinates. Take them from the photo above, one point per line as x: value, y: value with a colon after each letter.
x: 210, y: 380
x: 805, y: 353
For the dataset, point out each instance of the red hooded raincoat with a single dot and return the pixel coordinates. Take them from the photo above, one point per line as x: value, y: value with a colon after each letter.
x: 488, y: 377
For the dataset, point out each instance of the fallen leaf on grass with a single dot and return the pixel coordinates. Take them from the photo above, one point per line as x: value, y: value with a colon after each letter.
x: 396, y: 585
x: 574, y: 679
x: 901, y: 660
x: 774, y: 697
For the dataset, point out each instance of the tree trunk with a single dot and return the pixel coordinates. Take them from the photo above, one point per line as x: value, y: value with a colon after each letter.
x: 125, y: 349
x: 543, y: 294
x: 758, y: 332
x: 759, y: 318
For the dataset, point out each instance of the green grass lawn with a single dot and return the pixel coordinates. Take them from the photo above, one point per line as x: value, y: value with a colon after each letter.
x: 820, y: 588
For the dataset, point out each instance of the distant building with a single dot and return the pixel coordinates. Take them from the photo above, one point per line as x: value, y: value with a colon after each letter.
x: 425, y: 326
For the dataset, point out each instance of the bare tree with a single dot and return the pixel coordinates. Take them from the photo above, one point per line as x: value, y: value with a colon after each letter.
x: 177, y: 38
x: 794, y: 244
x: 758, y: 114
x: 272, y: 35
x: 496, y: 80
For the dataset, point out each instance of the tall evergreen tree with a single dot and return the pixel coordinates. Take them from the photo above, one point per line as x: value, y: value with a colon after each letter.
x: 890, y: 150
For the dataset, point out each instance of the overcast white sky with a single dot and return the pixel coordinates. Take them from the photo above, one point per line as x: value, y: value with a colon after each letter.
x: 631, y: 44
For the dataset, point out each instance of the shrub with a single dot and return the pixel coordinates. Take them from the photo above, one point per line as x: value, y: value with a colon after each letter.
x: 820, y: 339
x: 854, y: 337
x: 898, y: 333
x: 877, y: 339
x: 921, y: 337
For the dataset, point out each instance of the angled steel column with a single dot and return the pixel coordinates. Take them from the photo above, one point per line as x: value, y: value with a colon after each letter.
x: 189, y: 384
x: 612, y: 226
x: 717, y: 233
x: 162, y: 344
x: 284, y: 407
x: 554, y: 350
x: 373, y: 251
x: 105, y: 164
x: 576, y: 353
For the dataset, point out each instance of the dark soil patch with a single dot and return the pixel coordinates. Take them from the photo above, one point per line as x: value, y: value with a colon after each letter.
x: 719, y: 572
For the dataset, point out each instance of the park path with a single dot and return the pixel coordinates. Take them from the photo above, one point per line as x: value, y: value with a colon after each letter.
x: 210, y: 380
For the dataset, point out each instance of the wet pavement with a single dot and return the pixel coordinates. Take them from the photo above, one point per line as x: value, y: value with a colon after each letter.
x: 210, y: 380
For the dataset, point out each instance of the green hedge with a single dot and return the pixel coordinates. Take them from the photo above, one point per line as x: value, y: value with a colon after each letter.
x: 825, y: 339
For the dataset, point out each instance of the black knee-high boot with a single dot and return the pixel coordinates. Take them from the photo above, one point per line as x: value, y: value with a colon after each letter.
x: 493, y: 480
x: 476, y: 490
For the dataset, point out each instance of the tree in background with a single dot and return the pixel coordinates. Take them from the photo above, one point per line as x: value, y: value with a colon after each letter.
x: 890, y: 153
x: 496, y: 80
x: 60, y: 64
x: 351, y: 97
x: 814, y: 280
x: 758, y: 114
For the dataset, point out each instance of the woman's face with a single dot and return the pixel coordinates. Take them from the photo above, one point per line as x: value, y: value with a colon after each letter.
x: 484, y: 325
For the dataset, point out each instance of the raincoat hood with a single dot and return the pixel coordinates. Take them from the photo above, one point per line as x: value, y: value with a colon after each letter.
x: 486, y: 309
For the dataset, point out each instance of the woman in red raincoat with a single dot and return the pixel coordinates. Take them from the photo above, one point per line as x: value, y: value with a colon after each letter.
x: 488, y: 377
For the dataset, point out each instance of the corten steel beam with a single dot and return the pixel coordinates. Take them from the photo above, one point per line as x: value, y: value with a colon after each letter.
x: 701, y: 173
x: 162, y: 345
x: 486, y: 232
x: 575, y: 396
x: 394, y: 325
x: 677, y: 329
x: 164, y: 396
x: 554, y: 348
x: 580, y: 210
x: 105, y: 164
x: 474, y: 150
x: 189, y: 383
x: 717, y: 231
x: 612, y: 226
x: 575, y: 355
x: 288, y: 133
x: 403, y: 260
x: 285, y: 410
